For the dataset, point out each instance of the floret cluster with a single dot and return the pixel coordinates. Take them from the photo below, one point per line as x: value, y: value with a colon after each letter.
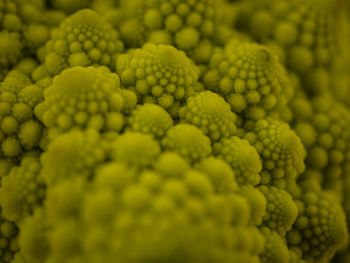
x: 174, y: 131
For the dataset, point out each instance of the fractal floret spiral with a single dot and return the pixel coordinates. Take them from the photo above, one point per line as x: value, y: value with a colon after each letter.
x: 174, y: 131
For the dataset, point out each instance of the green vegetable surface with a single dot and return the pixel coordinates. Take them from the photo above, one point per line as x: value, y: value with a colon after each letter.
x: 174, y: 131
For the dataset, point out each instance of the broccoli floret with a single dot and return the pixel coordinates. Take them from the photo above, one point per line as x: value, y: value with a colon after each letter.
x: 150, y: 119
x: 15, y: 14
x: 22, y: 30
x: 220, y: 173
x: 242, y: 157
x: 33, y: 239
x: 209, y: 112
x: 135, y: 149
x: 325, y: 134
x: 188, y: 141
x: 187, y: 25
x: 250, y: 79
x: 35, y: 36
x: 10, y: 49
x: 82, y: 98
x: 281, y: 210
x: 104, y: 220
x: 22, y: 190
x: 27, y: 66
x: 320, y: 228
x: 171, y: 164
x: 257, y: 201
x: 280, y: 149
x: 8, y: 239
x: 158, y: 74
x: 73, y: 154
x: 82, y: 39
x: 176, y: 202
x: 21, y: 131
x: 63, y: 200
x: 276, y: 250
x: 308, y: 46
x: 15, y: 81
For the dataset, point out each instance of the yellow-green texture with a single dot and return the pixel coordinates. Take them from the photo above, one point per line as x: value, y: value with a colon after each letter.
x: 250, y: 78
x: 320, y: 227
x: 22, y: 190
x: 209, y: 112
x: 150, y: 119
x: 24, y: 28
x: 20, y: 132
x: 9, y: 239
x: 159, y: 74
x: 188, y: 25
x: 307, y: 34
x: 177, y: 131
x: 82, y: 39
x: 326, y: 136
x: 280, y: 149
x: 242, y: 157
x: 82, y: 98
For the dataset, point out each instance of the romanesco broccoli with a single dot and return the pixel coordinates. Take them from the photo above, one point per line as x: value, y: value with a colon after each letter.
x: 179, y: 131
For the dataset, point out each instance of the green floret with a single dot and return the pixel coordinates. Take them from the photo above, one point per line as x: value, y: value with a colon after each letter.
x: 276, y: 250
x: 117, y: 176
x: 280, y: 149
x: 256, y: 201
x: 35, y: 36
x: 219, y: 172
x: 184, y: 24
x: 9, y: 19
x: 184, y: 208
x: 209, y: 112
x: 22, y: 190
x: 163, y: 213
x: 83, y: 39
x: 15, y: 81
x: 109, y: 219
x: 27, y: 65
x: 63, y: 200
x: 158, y: 74
x: 171, y: 164
x: 20, y: 131
x: 241, y: 210
x: 242, y: 157
x: 10, y: 49
x: 15, y: 14
x: 135, y: 149
x: 250, y: 79
x: 294, y: 257
x: 8, y: 239
x: 5, y: 166
x: 82, y: 98
x: 150, y: 119
x: 23, y: 29
x: 326, y: 136
x: 73, y: 154
x: 281, y: 210
x: 305, y: 31
x: 320, y: 229
x: 33, y: 237
x: 188, y: 141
